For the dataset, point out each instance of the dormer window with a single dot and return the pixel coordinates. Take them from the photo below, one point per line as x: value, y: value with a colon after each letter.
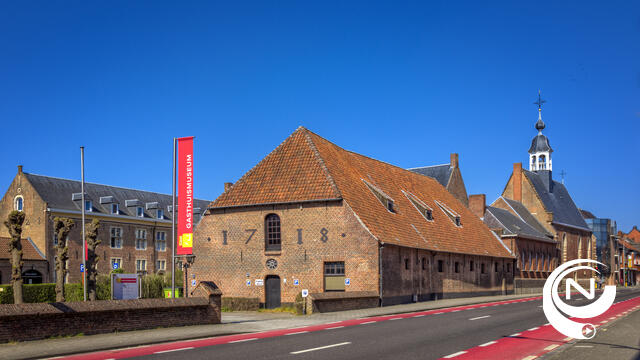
x: 160, y: 214
x: 455, y: 218
x: 385, y: 199
x: 115, y: 209
x: 88, y: 206
x: 420, y: 205
x: 140, y: 211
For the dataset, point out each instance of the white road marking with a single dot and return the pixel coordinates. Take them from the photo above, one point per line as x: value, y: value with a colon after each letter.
x: 319, y: 348
x: 480, y: 317
x: 296, y: 333
x: 529, y: 357
x: 534, y: 328
x: 419, y: 315
x: 584, y: 346
x: 454, y: 355
x: 568, y: 339
x: 487, y: 344
x: 368, y: 322
x: 551, y: 347
x: 516, y: 334
x: 241, y: 340
x: 166, y: 351
x: 335, y: 327
x: 455, y: 310
x: 438, y: 313
x: 395, y: 319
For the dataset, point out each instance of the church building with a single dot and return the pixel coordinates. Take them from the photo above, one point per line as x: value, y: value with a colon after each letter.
x: 549, y: 201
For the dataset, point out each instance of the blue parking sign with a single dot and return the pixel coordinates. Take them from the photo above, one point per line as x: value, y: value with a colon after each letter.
x: 115, y: 266
x: 347, y: 281
x: 81, y: 267
x: 296, y: 282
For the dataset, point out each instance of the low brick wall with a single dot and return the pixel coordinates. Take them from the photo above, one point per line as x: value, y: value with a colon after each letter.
x: 534, y: 286
x: 341, y: 301
x: 21, y: 322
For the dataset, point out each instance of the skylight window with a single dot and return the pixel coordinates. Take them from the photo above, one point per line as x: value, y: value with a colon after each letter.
x: 385, y: 199
x: 455, y: 218
x: 420, y: 205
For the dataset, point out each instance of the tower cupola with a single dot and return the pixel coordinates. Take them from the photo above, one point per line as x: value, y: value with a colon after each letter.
x: 540, y: 150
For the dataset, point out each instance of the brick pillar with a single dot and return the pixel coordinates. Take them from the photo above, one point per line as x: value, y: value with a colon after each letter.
x: 477, y: 204
x: 227, y: 186
x: 517, y: 182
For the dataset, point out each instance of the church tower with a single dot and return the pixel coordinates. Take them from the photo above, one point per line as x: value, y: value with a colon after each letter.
x: 540, y: 150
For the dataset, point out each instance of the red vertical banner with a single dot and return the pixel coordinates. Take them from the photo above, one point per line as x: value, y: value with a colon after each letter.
x: 185, y: 196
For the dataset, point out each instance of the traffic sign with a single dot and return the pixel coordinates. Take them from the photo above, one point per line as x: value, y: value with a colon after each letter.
x: 347, y: 281
x: 81, y: 267
x: 296, y: 282
x: 305, y: 293
x: 115, y: 266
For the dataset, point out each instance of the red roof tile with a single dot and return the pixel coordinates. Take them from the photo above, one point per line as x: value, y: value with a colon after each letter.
x: 308, y: 167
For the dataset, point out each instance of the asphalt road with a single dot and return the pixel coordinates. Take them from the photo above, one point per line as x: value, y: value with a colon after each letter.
x: 422, y: 337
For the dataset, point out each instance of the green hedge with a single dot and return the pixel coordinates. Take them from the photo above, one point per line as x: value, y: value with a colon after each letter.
x: 152, y: 287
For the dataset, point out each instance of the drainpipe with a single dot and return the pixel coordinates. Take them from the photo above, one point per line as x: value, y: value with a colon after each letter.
x: 380, y: 247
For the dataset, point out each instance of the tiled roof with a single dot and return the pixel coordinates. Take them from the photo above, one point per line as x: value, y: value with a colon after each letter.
x: 512, y: 224
x: 523, y: 213
x: 307, y: 167
x: 57, y: 193
x: 557, y: 200
x: 29, y: 250
x: 634, y: 234
x: 442, y: 173
x: 587, y: 214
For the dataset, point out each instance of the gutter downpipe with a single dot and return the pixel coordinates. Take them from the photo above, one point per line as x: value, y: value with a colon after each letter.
x: 380, y: 247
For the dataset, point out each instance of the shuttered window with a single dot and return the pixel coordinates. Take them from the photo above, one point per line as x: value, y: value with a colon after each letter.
x: 334, y: 276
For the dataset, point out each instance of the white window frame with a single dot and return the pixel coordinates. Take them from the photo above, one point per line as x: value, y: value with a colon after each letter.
x: 139, y: 211
x: 15, y: 203
x: 163, y: 262
x: 163, y: 240
x: 160, y: 214
x: 450, y: 213
x: 88, y: 202
x: 141, y: 238
x: 115, y: 206
x: 138, y: 262
x: 112, y: 236
x: 415, y: 200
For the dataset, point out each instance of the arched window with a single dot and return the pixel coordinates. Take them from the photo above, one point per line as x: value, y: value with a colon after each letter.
x: 564, y: 248
x: 579, y: 248
x: 272, y: 232
x: 589, y: 249
x: 18, y: 203
x: 533, y: 162
x: 541, y: 162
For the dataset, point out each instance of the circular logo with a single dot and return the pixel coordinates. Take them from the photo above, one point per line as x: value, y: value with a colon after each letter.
x: 554, y: 307
x: 272, y: 264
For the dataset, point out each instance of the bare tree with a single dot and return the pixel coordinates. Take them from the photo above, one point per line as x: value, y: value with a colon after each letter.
x: 62, y: 228
x: 92, y: 258
x: 14, y: 224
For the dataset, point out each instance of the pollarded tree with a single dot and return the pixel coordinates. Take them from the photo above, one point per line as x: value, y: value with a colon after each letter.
x: 14, y: 225
x: 92, y: 257
x: 62, y: 228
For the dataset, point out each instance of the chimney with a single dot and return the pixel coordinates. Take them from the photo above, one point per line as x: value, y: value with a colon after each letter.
x: 19, y: 169
x: 454, y: 160
x: 227, y: 186
x: 517, y: 182
x: 478, y: 204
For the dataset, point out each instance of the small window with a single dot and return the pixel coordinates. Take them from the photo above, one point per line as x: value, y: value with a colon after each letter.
x: 115, y: 209
x: 429, y: 214
x: 495, y: 266
x: 406, y: 264
x: 420, y: 206
x: 55, y: 239
x: 390, y: 205
x: 161, y: 265
x: 334, y: 276
x: 471, y: 266
x: 272, y: 232
x: 116, y: 238
x: 482, y: 269
x: 160, y: 214
x: 424, y: 264
x: 140, y: 211
x: 385, y: 199
x: 457, y: 221
x: 440, y: 266
x: 509, y: 267
x: 116, y: 263
x: 455, y: 218
x: 141, y: 265
x: 19, y: 203
x: 161, y: 241
x: 457, y: 267
x: 88, y: 206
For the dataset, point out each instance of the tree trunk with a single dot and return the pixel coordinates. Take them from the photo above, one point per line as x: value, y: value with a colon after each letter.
x: 92, y: 258
x: 62, y: 227
x: 16, y: 275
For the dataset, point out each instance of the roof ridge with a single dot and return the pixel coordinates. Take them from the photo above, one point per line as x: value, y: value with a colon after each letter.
x: 321, y: 162
x: 93, y: 183
x: 428, y: 166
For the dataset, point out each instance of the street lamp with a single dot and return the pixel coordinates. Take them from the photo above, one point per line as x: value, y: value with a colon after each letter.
x: 186, y: 264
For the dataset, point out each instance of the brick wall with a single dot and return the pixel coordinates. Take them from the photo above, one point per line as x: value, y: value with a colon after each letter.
x: 305, y: 247
x: 37, y: 321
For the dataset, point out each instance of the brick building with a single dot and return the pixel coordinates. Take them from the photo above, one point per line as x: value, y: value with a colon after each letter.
x: 35, y: 263
x: 449, y: 176
x: 135, y: 225
x: 550, y: 203
x: 314, y: 216
x: 532, y: 244
x: 633, y: 235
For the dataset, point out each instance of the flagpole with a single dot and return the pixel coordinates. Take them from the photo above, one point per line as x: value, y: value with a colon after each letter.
x: 84, y: 240
x: 173, y: 226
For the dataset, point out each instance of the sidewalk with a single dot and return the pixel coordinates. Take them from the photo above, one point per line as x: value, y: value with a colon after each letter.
x: 232, y: 323
x: 619, y: 341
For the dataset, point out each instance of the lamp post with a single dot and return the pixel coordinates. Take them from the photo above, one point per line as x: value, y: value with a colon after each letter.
x: 186, y: 264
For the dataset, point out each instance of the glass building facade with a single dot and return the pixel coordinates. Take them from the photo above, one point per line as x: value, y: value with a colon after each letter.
x: 602, y: 229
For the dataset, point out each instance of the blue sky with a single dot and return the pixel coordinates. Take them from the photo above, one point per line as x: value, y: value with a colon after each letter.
x: 403, y: 82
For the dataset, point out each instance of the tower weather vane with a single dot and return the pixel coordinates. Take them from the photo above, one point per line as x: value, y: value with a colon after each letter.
x: 540, y: 102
